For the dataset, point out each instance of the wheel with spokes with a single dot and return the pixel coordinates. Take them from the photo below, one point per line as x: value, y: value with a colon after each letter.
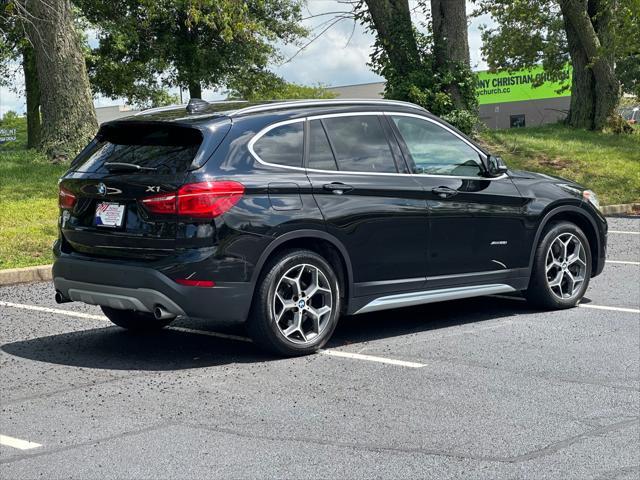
x: 296, y: 305
x: 562, y: 267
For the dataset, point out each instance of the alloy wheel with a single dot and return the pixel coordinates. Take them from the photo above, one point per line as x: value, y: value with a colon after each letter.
x: 302, y: 303
x: 566, y: 265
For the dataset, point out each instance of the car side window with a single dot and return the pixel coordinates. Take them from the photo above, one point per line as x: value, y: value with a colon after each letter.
x: 283, y: 145
x: 320, y: 153
x: 436, y: 151
x: 360, y: 144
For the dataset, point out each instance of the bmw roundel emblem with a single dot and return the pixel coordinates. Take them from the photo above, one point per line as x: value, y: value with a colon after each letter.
x: 102, y: 189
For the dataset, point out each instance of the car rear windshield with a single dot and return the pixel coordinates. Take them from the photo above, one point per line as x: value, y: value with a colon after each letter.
x: 144, y: 148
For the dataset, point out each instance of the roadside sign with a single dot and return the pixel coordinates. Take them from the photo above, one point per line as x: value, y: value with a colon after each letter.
x: 532, y: 84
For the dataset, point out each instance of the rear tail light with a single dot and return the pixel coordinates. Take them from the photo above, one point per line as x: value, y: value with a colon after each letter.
x: 199, y: 200
x: 208, y: 199
x: 66, y: 199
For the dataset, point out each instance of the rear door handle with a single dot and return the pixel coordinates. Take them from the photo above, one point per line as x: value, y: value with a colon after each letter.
x: 444, y: 192
x: 337, y: 187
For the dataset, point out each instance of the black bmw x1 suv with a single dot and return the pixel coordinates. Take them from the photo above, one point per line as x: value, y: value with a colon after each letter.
x: 285, y: 216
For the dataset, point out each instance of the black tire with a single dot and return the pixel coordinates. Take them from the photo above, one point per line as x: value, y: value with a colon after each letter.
x: 540, y: 294
x: 134, y: 321
x: 262, y: 325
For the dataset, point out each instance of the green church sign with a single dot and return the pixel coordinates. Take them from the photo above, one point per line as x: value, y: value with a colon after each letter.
x: 533, y: 84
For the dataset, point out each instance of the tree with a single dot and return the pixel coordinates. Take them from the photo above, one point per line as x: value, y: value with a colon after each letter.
x: 32, y: 95
x: 148, y: 45
x: 14, y: 49
x: 68, y: 116
x: 627, y: 45
x: 554, y: 32
x: 268, y: 86
x: 451, y: 42
x: 431, y: 69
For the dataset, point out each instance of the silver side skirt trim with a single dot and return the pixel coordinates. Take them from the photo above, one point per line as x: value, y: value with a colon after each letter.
x: 420, y: 298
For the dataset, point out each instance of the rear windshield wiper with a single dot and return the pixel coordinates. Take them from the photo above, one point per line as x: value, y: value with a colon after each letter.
x: 124, y: 167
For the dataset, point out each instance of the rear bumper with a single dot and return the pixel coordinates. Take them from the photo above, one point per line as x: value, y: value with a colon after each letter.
x: 129, y: 287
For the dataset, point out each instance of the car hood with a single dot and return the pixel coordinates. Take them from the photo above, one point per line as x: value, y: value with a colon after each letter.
x: 526, y: 175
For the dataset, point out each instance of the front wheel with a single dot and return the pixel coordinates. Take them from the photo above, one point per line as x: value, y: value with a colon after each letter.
x: 134, y: 321
x: 296, y: 305
x: 561, y: 268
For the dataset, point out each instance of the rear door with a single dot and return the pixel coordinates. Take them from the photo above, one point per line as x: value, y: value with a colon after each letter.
x: 127, y: 163
x: 476, y: 223
x: 368, y: 200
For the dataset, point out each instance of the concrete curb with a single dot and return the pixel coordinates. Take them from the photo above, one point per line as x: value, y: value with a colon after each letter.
x: 624, y: 209
x: 11, y: 276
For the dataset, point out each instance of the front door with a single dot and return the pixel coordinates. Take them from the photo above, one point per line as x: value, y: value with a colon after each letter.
x: 476, y: 225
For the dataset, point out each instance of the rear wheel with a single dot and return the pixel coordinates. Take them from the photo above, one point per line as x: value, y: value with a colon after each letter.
x: 135, y: 321
x: 297, y: 303
x: 561, y: 268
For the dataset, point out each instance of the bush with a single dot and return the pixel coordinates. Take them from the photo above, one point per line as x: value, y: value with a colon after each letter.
x: 463, y: 120
x: 618, y: 125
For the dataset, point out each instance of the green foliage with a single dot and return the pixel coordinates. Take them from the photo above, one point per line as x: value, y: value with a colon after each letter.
x: 531, y: 32
x: 148, y: 45
x: 526, y: 33
x: 10, y: 119
x: 426, y: 85
x: 627, y: 31
x: 12, y: 41
x: 269, y: 86
x: 618, y: 125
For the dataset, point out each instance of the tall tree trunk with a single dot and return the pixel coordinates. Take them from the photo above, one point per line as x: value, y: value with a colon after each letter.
x: 32, y: 91
x: 583, y: 83
x: 195, y: 90
x: 392, y: 22
x: 586, y: 20
x: 68, y: 116
x: 450, y: 41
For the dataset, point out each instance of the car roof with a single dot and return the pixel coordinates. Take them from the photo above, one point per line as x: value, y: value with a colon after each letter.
x: 198, y: 111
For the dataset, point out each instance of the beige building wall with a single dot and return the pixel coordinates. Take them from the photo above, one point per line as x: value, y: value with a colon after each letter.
x: 364, y: 90
x: 113, y: 112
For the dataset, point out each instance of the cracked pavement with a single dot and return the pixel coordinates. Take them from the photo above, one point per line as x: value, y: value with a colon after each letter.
x: 504, y: 391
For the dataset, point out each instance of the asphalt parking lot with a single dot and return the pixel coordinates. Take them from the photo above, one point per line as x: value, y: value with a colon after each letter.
x: 482, y: 388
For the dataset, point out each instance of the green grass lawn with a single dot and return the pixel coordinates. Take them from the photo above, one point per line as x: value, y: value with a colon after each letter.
x: 606, y: 163
x: 28, y: 203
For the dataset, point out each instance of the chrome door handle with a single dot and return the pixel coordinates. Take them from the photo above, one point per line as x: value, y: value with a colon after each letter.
x: 444, y: 192
x: 337, y: 187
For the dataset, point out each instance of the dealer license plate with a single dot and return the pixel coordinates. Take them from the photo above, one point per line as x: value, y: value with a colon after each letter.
x: 109, y: 214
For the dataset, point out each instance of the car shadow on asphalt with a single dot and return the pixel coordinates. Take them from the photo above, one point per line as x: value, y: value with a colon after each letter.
x: 115, y: 349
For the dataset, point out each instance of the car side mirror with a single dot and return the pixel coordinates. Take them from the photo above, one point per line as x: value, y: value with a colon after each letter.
x: 496, y: 166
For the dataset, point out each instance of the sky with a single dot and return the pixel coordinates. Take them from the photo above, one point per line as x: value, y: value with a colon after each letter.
x: 335, y: 58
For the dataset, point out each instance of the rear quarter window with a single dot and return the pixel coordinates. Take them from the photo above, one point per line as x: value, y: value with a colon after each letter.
x: 282, y: 145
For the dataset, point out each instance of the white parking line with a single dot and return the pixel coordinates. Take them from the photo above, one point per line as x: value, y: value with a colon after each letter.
x: 623, y: 262
x: 17, y: 443
x: 334, y: 353
x: 624, y: 232
x: 371, y: 358
x: 583, y: 305
x: 615, y: 309
x: 53, y: 310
